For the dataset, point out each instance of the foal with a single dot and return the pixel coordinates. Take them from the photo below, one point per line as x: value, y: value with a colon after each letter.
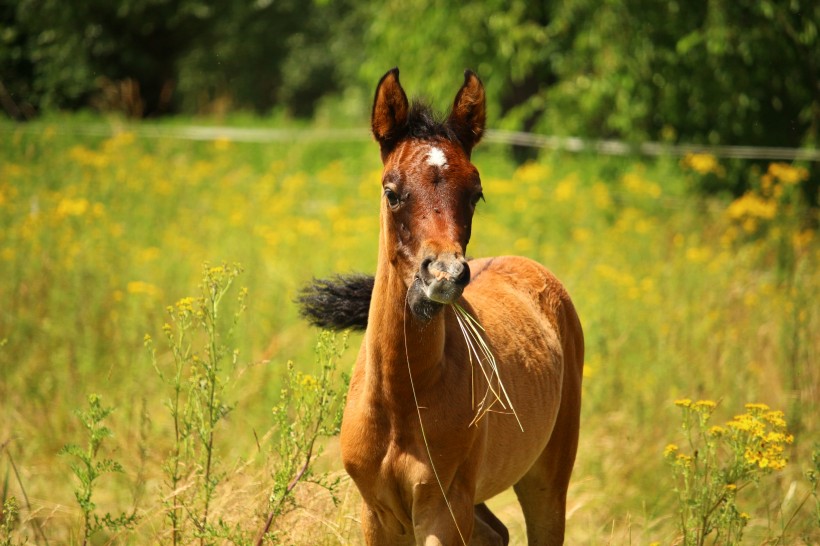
x: 422, y: 457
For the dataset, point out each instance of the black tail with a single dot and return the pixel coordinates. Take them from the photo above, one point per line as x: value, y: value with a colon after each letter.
x: 338, y: 303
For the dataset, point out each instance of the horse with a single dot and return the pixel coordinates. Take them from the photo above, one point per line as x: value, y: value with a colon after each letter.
x: 423, y: 449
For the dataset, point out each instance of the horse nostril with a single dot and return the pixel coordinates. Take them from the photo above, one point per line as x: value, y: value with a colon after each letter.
x: 462, y: 277
x: 425, y: 265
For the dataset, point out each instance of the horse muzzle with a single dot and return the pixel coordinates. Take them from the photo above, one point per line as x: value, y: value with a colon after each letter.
x: 444, y: 277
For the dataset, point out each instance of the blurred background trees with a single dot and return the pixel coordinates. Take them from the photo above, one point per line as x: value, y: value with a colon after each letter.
x: 742, y: 72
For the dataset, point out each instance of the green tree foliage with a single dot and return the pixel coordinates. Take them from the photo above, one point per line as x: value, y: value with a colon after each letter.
x: 719, y: 72
x: 743, y: 72
x: 150, y: 57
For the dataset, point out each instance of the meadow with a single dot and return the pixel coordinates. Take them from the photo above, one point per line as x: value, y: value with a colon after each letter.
x: 690, y: 302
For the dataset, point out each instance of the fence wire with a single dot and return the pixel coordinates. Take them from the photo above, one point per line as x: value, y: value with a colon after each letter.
x: 497, y: 136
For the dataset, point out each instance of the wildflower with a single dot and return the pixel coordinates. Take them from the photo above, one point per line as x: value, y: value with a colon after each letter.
x: 683, y: 460
x: 698, y: 254
x: 72, y: 207
x: 222, y: 144
x: 717, y: 432
x: 141, y: 287
x: 533, y: 172
x: 751, y: 206
x: 565, y: 190
x: 683, y: 403
x: 308, y: 381
x: 670, y: 450
x: 184, y: 307
x: 704, y: 164
x: 787, y: 174
x: 776, y: 418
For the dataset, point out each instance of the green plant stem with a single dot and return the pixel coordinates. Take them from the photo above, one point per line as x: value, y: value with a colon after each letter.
x: 211, y: 378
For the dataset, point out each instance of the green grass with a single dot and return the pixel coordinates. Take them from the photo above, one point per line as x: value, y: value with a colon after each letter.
x: 681, y: 296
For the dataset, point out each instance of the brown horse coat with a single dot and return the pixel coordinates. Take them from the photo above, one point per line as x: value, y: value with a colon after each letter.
x: 407, y: 441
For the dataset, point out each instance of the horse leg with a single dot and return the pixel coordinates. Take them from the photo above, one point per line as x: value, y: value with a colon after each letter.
x: 542, y: 491
x: 488, y: 529
x: 376, y: 534
x: 433, y: 522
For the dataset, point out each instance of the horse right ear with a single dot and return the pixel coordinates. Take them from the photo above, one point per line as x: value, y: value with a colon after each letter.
x: 390, y: 111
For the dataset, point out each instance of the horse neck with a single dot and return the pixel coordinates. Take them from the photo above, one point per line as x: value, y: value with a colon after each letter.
x: 395, y: 339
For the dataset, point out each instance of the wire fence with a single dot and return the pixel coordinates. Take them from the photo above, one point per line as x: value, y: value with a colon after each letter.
x: 512, y: 138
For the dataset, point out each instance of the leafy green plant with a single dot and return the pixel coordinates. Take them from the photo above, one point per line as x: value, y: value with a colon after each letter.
x: 310, y: 407
x: 722, y: 461
x: 89, y: 468
x: 8, y: 518
x: 197, y: 403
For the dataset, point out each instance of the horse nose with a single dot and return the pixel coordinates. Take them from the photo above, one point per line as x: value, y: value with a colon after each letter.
x: 447, y: 268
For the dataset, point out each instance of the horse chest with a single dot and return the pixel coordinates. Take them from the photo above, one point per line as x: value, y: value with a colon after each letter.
x: 380, y: 454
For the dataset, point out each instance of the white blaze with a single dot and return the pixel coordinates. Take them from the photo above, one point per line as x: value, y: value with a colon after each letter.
x: 435, y: 158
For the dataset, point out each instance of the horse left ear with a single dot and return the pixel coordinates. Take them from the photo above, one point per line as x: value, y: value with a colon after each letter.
x: 469, y: 112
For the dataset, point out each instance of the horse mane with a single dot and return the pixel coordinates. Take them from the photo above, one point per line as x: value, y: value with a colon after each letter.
x: 424, y: 123
x: 339, y: 303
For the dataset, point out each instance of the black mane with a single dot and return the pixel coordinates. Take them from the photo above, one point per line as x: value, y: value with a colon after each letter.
x: 425, y: 123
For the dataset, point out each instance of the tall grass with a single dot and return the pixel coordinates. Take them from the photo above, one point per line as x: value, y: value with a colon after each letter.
x: 681, y: 296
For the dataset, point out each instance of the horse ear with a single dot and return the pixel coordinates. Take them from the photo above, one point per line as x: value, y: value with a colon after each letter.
x: 390, y: 110
x: 469, y: 112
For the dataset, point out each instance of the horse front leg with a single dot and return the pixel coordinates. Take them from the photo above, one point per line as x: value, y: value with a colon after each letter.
x: 377, y: 533
x: 437, y: 522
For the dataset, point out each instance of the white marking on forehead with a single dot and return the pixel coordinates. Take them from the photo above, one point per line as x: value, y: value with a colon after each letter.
x: 435, y: 158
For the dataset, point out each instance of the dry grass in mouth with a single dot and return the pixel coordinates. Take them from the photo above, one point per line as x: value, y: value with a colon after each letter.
x: 478, y: 348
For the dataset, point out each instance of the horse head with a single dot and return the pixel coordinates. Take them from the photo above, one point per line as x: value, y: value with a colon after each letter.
x: 430, y: 189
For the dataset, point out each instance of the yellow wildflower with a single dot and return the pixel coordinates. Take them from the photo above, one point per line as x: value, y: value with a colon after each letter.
x: 683, y: 460
x: 565, y: 190
x: 787, y: 174
x: 751, y: 206
x: 703, y: 164
x: 141, y: 287
x: 776, y: 417
x: 222, y: 144
x: 72, y: 207
x: 717, y: 431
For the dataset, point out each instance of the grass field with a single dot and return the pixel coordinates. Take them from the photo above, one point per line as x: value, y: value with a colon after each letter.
x: 681, y: 296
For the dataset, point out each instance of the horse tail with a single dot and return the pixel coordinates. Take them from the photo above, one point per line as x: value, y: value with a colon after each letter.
x: 338, y: 303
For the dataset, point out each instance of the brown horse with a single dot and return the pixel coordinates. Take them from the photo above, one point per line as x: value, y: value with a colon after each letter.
x: 422, y: 457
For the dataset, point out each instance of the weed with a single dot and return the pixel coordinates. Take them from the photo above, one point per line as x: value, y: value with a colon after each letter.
x: 89, y: 468
x: 310, y: 407
x: 8, y: 519
x: 197, y: 402
x: 722, y: 462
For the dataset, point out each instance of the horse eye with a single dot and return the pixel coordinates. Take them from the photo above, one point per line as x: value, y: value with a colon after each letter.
x: 475, y: 198
x: 392, y: 198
